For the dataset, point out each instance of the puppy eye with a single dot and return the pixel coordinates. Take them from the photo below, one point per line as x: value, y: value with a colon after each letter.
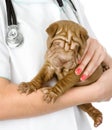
x: 59, y: 43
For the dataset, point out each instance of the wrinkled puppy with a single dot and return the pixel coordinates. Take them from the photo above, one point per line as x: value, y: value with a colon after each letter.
x: 65, y: 46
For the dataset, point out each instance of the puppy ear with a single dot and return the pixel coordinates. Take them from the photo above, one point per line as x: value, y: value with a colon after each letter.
x: 52, y: 29
x: 84, y: 35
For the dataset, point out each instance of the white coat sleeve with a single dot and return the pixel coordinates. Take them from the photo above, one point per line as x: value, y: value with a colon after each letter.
x: 4, y: 60
x: 4, y: 53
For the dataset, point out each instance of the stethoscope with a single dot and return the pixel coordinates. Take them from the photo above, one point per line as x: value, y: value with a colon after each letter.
x: 14, y: 38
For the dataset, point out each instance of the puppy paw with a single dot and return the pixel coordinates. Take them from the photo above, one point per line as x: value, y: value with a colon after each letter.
x: 26, y: 88
x: 98, y: 119
x: 96, y: 115
x: 49, y: 96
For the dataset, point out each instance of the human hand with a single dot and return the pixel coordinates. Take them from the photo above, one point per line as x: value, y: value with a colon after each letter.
x: 99, y: 91
x: 105, y: 86
x: 93, y: 56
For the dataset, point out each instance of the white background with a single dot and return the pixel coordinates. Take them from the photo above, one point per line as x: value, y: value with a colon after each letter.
x: 99, y: 14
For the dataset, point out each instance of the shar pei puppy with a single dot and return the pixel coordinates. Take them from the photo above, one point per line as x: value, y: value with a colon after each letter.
x: 65, y: 46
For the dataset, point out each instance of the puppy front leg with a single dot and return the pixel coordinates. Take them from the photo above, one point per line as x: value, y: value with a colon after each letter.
x: 45, y: 74
x: 52, y: 93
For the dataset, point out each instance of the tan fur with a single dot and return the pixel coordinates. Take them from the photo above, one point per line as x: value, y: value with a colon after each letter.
x: 66, y: 44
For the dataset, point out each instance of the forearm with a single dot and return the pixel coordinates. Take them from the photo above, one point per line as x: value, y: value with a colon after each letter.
x: 16, y: 105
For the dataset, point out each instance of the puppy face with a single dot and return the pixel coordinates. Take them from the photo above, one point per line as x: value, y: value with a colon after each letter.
x: 68, y: 31
x: 68, y: 40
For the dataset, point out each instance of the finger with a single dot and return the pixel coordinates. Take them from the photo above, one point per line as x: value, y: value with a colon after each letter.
x: 97, y: 59
x: 94, y: 63
x: 87, y: 48
x: 98, y: 63
x: 89, y: 54
x: 92, y: 66
x: 102, y: 54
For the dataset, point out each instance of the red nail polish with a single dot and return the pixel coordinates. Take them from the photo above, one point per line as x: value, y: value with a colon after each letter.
x: 78, y: 71
x: 83, y: 77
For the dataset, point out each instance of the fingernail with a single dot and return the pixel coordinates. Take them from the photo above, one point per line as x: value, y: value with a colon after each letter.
x: 78, y: 71
x: 83, y: 77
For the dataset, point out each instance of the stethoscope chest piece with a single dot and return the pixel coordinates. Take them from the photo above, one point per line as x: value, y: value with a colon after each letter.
x: 14, y: 38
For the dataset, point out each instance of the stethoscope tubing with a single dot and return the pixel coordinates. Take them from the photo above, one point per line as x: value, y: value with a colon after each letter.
x: 11, y: 16
x: 72, y: 6
x: 14, y: 38
x: 60, y: 3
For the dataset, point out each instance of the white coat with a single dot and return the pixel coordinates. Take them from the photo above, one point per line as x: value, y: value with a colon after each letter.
x: 23, y: 63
